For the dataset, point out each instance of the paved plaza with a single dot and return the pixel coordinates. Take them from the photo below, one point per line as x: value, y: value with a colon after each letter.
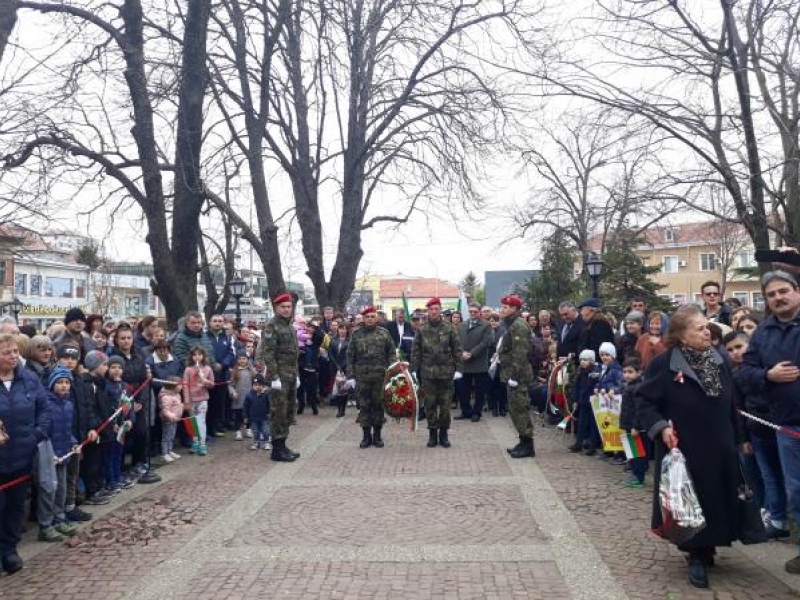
x: 402, y: 522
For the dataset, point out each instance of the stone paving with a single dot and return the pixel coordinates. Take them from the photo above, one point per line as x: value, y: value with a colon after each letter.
x: 403, y: 522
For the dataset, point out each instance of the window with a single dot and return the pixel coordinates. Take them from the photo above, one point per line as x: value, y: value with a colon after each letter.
x: 670, y: 234
x: 708, y: 262
x: 36, y: 285
x: 758, y: 300
x: 745, y: 259
x: 679, y: 298
x: 669, y: 264
x: 58, y: 287
x: 80, y: 288
x: 20, y: 284
x: 698, y: 299
x: 742, y: 297
x: 2, y: 272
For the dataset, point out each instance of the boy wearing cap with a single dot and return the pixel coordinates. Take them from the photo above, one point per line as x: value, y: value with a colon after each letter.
x: 436, y: 357
x: 516, y: 372
x: 256, y: 412
x: 50, y: 503
x: 96, y: 456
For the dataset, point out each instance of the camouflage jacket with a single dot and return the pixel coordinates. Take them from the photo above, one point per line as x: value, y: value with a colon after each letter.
x: 279, y: 349
x: 515, y: 352
x: 436, y: 353
x: 369, y: 353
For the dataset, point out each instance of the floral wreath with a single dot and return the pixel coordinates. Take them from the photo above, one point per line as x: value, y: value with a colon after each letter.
x: 400, y: 393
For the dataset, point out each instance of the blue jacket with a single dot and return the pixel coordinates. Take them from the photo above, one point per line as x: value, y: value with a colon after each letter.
x: 25, y: 414
x: 163, y: 369
x: 256, y: 407
x: 61, y: 412
x: 113, y: 392
x: 224, y: 354
x: 773, y: 342
x: 610, y: 377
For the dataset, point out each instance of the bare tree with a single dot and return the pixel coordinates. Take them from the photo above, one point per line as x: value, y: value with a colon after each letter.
x: 355, y: 100
x: 680, y: 62
x: 95, y: 152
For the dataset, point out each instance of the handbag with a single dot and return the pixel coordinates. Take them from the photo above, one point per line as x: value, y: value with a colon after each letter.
x: 751, y: 526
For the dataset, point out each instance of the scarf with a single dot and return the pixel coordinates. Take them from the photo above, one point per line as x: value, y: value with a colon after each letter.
x: 706, y: 368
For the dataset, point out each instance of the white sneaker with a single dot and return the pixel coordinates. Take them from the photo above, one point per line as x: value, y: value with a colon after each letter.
x: 174, y: 455
x: 248, y: 433
x: 168, y: 458
x: 238, y: 435
x: 267, y: 445
x: 254, y: 446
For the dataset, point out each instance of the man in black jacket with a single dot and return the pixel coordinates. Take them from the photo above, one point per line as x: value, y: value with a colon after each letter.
x: 596, y: 328
x: 569, y: 330
x: 402, y: 333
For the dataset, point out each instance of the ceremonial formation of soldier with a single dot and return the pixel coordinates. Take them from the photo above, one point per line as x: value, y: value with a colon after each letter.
x: 87, y: 405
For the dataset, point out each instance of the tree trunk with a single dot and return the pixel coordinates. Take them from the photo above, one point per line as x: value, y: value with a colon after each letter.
x: 8, y: 18
x: 189, y: 194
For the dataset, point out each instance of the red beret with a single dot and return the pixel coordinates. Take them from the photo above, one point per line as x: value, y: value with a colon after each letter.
x: 433, y: 301
x: 368, y: 309
x: 281, y: 298
x: 511, y: 300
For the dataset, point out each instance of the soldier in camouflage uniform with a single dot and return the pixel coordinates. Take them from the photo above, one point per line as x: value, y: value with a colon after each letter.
x: 436, y: 358
x: 516, y: 373
x: 279, y: 355
x: 370, y: 352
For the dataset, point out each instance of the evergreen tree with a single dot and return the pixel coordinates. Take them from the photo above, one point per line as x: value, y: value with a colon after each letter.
x: 625, y: 276
x: 473, y: 289
x: 556, y: 282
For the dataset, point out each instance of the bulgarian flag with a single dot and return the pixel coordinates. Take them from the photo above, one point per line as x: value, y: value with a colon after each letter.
x: 192, y: 426
x: 405, y: 306
x: 633, y: 445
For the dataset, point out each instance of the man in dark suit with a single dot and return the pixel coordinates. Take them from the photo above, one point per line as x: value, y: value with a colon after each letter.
x: 402, y: 333
x: 477, y: 343
x: 569, y: 331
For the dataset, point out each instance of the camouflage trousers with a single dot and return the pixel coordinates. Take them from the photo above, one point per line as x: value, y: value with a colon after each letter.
x: 437, y: 397
x: 282, y: 408
x: 519, y: 407
x: 369, y: 395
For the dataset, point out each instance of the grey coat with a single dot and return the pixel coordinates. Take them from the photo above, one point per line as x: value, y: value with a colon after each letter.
x: 478, y: 340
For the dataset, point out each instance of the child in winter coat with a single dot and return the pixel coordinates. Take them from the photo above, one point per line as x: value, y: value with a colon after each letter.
x: 50, y: 510
x: 114, y: 388
x: 170, y: 404
x: 610, y: 383
x: 242, y: 375
x: 632, y: 373
x: 588, y: 437
x: 256, y: 413
x: 198, y: 378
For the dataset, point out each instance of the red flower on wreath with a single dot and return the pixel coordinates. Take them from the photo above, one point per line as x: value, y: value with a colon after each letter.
x: 399, y: 393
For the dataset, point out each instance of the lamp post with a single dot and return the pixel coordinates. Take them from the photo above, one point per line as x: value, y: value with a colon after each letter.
x: 238, y: 287
x: 594, y: 268
x: 16, y: 307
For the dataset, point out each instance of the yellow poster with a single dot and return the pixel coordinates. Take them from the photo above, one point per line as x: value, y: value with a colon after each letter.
x: 606, y: 409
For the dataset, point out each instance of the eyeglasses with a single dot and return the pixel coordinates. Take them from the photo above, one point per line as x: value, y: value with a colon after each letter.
x: 710, y: 293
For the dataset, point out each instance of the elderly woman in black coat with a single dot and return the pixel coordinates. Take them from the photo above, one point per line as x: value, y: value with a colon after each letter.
x: 688, y: 401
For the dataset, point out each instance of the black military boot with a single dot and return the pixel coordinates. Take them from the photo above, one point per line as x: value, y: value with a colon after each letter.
x: 279, y: 452
x: 366, y: 441
x: 432, y: 438
x: 443, y: 441
x: 525, y: 448
x: 517, y: 447
x: 376, y: 437
x: 289, y: 451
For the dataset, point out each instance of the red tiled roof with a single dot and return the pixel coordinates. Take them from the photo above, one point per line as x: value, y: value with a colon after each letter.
x: 699, y: 233
x: 417, y: 287
x: 28, y: 239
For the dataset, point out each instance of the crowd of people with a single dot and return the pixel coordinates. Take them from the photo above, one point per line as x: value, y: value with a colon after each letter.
x: 102, y: 400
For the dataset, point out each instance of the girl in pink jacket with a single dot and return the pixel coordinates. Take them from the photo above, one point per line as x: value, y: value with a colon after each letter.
x: 197, y: 379
x: 170, y: 402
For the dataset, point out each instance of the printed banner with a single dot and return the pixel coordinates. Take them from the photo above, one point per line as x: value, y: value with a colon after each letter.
x: 606, y: 412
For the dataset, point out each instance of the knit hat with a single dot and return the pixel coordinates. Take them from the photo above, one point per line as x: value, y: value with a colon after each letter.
x: 241, y: 352
x: 94, y: 359
x: 608, y: 348
x: 587, y: 354
x: 259, y: 379
x: 58, y: 373
x: 636, y: 316
x: 69, y: 351
x: 116, y: 360
x: 74, y: 314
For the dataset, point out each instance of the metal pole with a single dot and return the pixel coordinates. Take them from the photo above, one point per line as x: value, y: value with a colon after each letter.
x: 238, y: 313
x: 595, y: 293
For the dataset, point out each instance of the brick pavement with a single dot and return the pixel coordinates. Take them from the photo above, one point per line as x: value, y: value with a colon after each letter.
x: 401, y: 522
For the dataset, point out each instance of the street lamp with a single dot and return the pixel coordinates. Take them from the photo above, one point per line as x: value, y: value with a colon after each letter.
x: 238, y: 287
x: 594, y: 268
x: 16, y: 307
